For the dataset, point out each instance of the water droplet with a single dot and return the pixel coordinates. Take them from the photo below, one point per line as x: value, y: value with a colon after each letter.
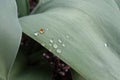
x: 105, y: 45
x: 55, y: 46
x: 36, y: 34
x: 42, y: 31
x: 58, y: 51
x: 60, y: 41
x: 63, y: 45
x: 47, y: 29
x: 67, y: 36
x: 51, y: 41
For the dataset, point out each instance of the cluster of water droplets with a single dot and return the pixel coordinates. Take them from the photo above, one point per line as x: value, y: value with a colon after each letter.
x: 36, y: 34
x: 55, y: 46
x: 51, y: 41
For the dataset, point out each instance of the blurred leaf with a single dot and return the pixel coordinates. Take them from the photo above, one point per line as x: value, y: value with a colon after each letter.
x: 10, y: 34
x: 89, y: 30
x: 24, y: 71
x: 33, y: 73
x: 23, y: 7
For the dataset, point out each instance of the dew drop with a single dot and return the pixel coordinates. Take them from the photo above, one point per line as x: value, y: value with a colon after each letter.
x: 51, y: 41
x: 55, y: 46
x: 60, y: 41
x: 105, y: 45
x: 63, y: 45
x: 47, y: 29
x: 58, y: 51
x: 41, y: 30
x: 36, y: 34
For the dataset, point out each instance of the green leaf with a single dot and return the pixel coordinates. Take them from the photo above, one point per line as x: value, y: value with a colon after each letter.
x: 10, y: 34
x: 33, y: 73
x: 23, y: 7
x: 24, y: 71
x: 118, y: 3
x: 89, y: 30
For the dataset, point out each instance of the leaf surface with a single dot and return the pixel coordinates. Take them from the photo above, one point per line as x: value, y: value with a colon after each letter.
x: 86, y: 33
x: 10, y: 35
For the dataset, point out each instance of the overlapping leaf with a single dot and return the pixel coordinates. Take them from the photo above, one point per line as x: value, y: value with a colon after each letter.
x: 22, y: 70
x: 84, y: 33
x: 10, y: 34
x: 23, y: 7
